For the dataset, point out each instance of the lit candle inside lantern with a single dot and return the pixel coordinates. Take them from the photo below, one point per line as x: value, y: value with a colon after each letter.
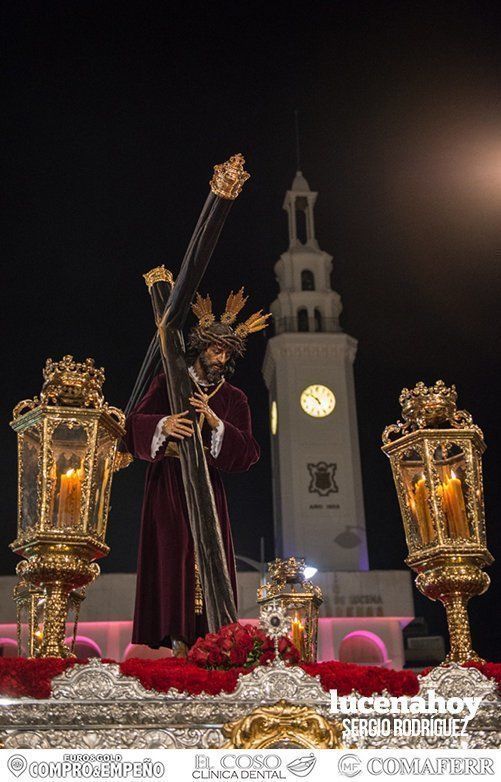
x: 454, y: 507
x: 298, y: 635
x: 38, y: 638
x: 69, y: 498
x: 422, y: 511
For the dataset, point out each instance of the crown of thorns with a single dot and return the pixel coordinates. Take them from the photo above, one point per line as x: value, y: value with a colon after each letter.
x: 208, y: 330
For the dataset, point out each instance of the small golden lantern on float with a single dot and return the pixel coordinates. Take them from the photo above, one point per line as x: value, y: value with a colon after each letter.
x: 287, y: 587
x: 67, y: 443
x: 436, y: 459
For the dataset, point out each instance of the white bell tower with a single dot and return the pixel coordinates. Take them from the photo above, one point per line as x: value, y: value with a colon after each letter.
x: 308, y: 369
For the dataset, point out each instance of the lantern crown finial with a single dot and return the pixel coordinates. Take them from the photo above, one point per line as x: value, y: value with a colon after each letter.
x: 428, y: 407
x: 72, y: 383
x: 289, y: 570
x: 284, y: 573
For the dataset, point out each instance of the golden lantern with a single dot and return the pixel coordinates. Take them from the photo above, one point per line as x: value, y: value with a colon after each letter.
x: 287, y: 587
x: 436, y: 459
x: 67, y: 443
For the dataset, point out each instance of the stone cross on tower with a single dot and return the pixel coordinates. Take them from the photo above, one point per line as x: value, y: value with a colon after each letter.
x: 308, y: 369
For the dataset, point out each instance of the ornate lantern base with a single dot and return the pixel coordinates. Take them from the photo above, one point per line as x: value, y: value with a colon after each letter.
x: 58, y: 571
x: 454, y: 583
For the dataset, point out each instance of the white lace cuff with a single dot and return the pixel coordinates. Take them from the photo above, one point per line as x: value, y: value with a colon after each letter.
x: 158, y: 438
x: 216, y: 441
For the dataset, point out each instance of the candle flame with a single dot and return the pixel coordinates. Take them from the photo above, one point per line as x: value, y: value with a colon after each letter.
x: 74, y: 472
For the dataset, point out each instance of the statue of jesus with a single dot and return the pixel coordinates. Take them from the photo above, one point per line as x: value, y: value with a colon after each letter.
x: 169, y: 605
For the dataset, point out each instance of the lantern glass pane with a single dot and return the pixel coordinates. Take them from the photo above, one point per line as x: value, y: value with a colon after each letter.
x: 417, y: 496
x: 30, y: 456
x: 69, y: 447
x: 22, y: 619
x: 101, y: 483
x: 453, y: 491
x: 475, y: 499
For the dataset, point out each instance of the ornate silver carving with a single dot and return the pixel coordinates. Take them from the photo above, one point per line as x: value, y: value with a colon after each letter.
x: 268, y: 684
x: 94, y: 706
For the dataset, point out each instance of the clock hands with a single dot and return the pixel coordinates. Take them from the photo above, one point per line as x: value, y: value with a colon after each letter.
x: 318, y: 401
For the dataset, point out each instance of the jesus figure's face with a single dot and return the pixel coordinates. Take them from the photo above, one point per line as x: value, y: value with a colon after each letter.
x: 213, y: 361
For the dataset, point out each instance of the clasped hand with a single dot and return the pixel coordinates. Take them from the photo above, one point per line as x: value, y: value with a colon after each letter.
x: 200, y: 402
x: 179, y: 427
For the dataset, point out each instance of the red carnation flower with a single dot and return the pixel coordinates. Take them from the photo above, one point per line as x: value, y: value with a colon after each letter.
x: 238, y: 646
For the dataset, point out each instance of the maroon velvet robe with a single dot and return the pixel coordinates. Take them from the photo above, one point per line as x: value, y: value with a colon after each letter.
x: 165, y: 590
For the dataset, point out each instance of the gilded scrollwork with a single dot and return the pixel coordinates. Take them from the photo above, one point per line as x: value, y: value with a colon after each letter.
x: 122, y: 460
x: 394, y: 431
x: 115, y: 413
x: 22, y: 407
x: 283, y: 725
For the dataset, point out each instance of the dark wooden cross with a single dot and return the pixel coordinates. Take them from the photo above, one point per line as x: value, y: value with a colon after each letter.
x: 171, y: 305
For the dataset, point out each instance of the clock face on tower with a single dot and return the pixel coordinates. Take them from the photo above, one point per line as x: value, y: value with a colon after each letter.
x: 318, y: 401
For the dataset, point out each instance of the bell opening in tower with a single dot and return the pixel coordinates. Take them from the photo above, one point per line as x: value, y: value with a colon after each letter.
x: 307, y: 280
x: 302, y: 320
x: 301, y: 220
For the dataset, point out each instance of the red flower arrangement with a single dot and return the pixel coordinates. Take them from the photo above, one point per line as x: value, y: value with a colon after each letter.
x: 365, y: 679
x: 178, y: 674
x: 241, y: 647
x: 20, y: 676
x: 33, y: 678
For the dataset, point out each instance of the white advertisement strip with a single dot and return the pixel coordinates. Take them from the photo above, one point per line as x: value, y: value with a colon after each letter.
x: 276, y: 764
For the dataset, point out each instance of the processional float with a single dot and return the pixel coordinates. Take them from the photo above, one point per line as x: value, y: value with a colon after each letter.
x: 71, y: 441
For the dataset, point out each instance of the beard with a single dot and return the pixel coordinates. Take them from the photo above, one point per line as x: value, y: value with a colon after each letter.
x: 213, y: 372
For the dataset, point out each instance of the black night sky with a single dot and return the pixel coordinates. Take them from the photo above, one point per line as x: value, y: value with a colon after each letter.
x: 113, y: 115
